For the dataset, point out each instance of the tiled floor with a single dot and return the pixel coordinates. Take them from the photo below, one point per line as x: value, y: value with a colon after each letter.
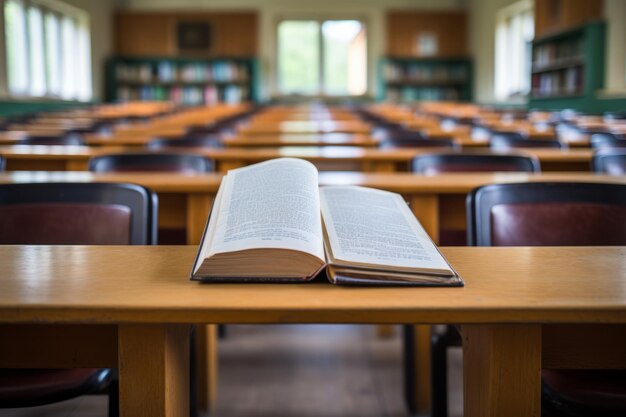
x: 303, y: 371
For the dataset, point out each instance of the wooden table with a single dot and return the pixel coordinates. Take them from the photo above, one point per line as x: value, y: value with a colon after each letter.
x: 324, y: 139
x: 522, y: 309
x: 326, y: 158
x: 307, y: 126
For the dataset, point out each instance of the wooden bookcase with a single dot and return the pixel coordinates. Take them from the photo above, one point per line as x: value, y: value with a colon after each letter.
x: 568, y: 67
x: 184, y: 81
x: 431, y: 79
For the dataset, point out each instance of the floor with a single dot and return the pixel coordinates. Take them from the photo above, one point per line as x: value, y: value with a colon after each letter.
x: 297, y: 370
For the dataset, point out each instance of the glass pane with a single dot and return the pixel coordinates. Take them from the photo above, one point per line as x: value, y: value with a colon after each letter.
x: 69, y: 58
x: 298, y: 57
x: 345, y: 57
x: 36, y: 52
x: 17, y: 60
x: 53, y: 54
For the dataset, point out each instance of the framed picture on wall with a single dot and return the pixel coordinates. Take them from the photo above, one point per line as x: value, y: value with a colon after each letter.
x: 193, y: 36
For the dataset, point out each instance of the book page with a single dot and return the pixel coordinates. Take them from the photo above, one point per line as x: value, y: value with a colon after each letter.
x: 274, y: 204
x: 376, y: 228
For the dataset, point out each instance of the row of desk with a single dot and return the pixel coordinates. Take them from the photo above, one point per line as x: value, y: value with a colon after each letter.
x: 133, y: 307
x: 185, y: 201
x: 344, y: 158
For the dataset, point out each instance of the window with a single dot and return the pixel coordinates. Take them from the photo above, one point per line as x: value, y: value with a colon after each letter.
x: 48, y: 50
x: 514, y: 34
x: 326, y: 57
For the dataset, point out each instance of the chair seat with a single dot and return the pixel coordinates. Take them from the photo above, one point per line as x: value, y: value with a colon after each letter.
x: 591, y: 389
x: 31, y: 387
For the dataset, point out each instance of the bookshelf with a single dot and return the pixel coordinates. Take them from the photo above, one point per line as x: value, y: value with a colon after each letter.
x: 568, y: 67
x: 432, y: 79
x: 186, y: 82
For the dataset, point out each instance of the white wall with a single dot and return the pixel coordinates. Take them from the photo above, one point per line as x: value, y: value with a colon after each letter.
x: 372, y: 12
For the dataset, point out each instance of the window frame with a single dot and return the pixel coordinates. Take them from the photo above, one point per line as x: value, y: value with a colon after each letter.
x: 320, y: 94
x: 81, y: 20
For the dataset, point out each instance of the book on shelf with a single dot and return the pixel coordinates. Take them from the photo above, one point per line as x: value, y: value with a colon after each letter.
x: 271, y: 222
x: 173, y: 72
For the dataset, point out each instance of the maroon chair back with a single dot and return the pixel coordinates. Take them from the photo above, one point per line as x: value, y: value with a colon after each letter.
x: 504, y: 142
x: 438, y: 163
x: 207, y: 141
x: 418, y: 142
x: 151, y: 161
x: 62, y: 140
x: 77, y: 214
x: 547, y: 214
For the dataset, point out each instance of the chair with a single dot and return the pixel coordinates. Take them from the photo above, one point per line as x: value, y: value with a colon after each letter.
x: 417, y: 141
x: 151, y: 161
x: 155, y: 162
x: 606, y: 140
x: 558, y: 214
x: 503, y: 142
x: 207, y: 141
x: 446, y: 162
x: 62, y: 140
x: 609, y: 161
x: 70, y: 214
x: 474, y: 162
x: 67, y: 213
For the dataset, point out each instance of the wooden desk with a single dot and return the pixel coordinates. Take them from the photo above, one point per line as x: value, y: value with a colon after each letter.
x: 325, y: 139
x: 327, y: 158
x: 131, y: 308
x: 305, y: 127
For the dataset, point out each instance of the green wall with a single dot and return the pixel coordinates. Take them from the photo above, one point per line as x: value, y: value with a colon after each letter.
x: 585, y: 105
x: 15, y: 107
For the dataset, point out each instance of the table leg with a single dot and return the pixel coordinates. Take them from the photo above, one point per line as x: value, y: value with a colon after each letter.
x: 198, y: 208
x: 154, y: 370
x: 417, y: 368
x: 501, y: 370
x: 426, y: 209
x: 206, y: 367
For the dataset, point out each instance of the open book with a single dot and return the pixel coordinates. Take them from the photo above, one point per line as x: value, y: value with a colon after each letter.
x: 265, y: 225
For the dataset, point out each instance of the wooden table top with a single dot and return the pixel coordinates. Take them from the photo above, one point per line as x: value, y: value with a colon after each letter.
x: 323, y: 139
x: 307, y: 126
x: 99, y: 284
x: 406, y: 183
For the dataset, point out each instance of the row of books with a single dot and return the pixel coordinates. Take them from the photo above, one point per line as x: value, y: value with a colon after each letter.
x: 171, y: 72
x: 419, y: 72
x: 557, y: 53
x: 567, y: 82
x: 231, y: 94
x: 423, y: 93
